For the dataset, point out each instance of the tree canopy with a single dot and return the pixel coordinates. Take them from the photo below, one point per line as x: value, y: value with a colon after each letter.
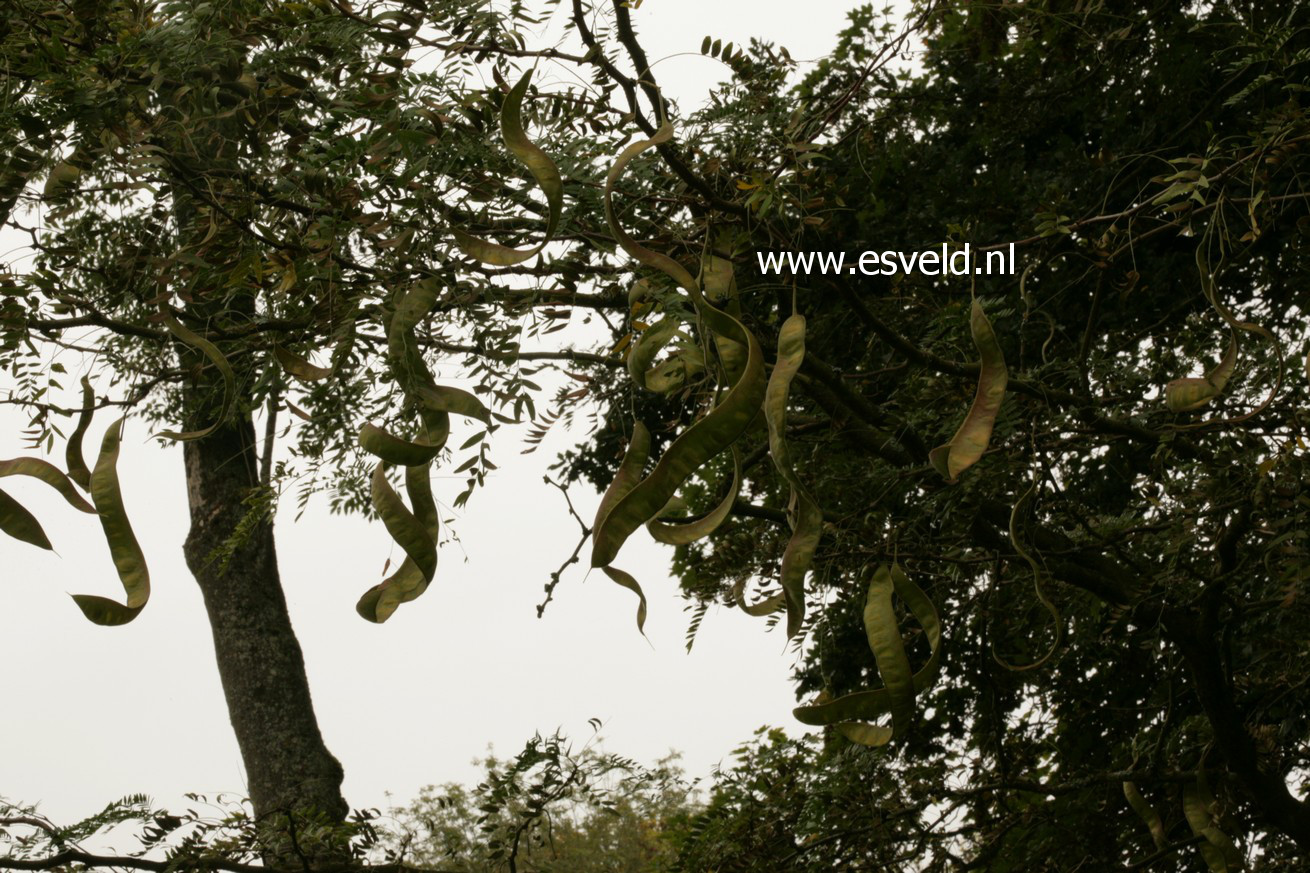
x: 1038, y: 539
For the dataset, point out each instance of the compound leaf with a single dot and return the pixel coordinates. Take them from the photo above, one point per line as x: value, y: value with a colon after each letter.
x: 681, y: 533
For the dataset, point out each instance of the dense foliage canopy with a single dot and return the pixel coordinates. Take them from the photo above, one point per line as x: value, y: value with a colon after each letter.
x: 1146, y: 160
x: 1071, y: 637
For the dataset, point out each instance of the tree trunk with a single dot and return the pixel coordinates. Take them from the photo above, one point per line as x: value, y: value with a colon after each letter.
x: 288, y: 768
x: 291, y: 776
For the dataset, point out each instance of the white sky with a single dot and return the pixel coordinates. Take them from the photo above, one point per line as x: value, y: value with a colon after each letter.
x: 92, y: 713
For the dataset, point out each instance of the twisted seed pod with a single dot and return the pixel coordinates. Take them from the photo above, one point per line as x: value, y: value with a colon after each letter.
x: 709, y: 436
x: 806, y: 518
x: 970, y: 441
x: 543, y: 170
x: 73, y: 459
x: 853, y: 714
x: 126, y: 553
x: 1147, y: 813
x: 210, y: 351
x: 416, y: 532
x: 1190, y: 394
x: 681, y: 533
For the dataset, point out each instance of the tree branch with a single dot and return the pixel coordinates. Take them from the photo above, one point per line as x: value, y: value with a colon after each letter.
x: 910, y: 442
x: 565, y: 355
x: 598, y: 58
x: 877, y: 441
x: 1165, y: 852
x: 1268, y: 792
x: 96, y: 319
x: 1082, y: 405
x: 30, y: 821
x: 74, y: 856
x: 1082, y: 567
x: 747, y: 509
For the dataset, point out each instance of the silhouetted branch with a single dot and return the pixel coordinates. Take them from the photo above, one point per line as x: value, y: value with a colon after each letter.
x: 577, y: 550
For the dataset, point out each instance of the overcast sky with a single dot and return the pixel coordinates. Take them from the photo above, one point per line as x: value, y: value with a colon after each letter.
x: 92, y: 713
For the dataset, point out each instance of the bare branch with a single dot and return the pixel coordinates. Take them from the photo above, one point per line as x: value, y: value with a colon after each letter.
x: 74, y: 856
x: 577, y: 550
x: 30, y: 821
x: 96, y: 319
x: 598, y: 58
x: 565, y: 355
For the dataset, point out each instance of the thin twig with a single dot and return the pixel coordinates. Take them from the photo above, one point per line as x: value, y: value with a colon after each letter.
x: 1165, y: 852
x: 577, y: 550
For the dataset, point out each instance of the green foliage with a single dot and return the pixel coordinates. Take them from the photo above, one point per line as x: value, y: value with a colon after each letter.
x: 786, y: 804
x: 1149, y: 176
x: 548, y: 810
x: 214, y: 833
x: 261, y: 507
x: 290, y: 177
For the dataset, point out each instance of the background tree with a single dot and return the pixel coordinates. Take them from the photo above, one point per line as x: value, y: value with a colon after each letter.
x: 549, y: 808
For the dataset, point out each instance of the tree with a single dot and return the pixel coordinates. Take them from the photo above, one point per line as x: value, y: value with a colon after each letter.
x: 1145, y: 161
x: 782, y: 804
x: 1110, y: 549
x: 549, y: 808
x: 222, y: 188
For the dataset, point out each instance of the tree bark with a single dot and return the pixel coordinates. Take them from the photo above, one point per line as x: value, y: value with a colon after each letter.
x: 291, y: 776
x: 288, y: 767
